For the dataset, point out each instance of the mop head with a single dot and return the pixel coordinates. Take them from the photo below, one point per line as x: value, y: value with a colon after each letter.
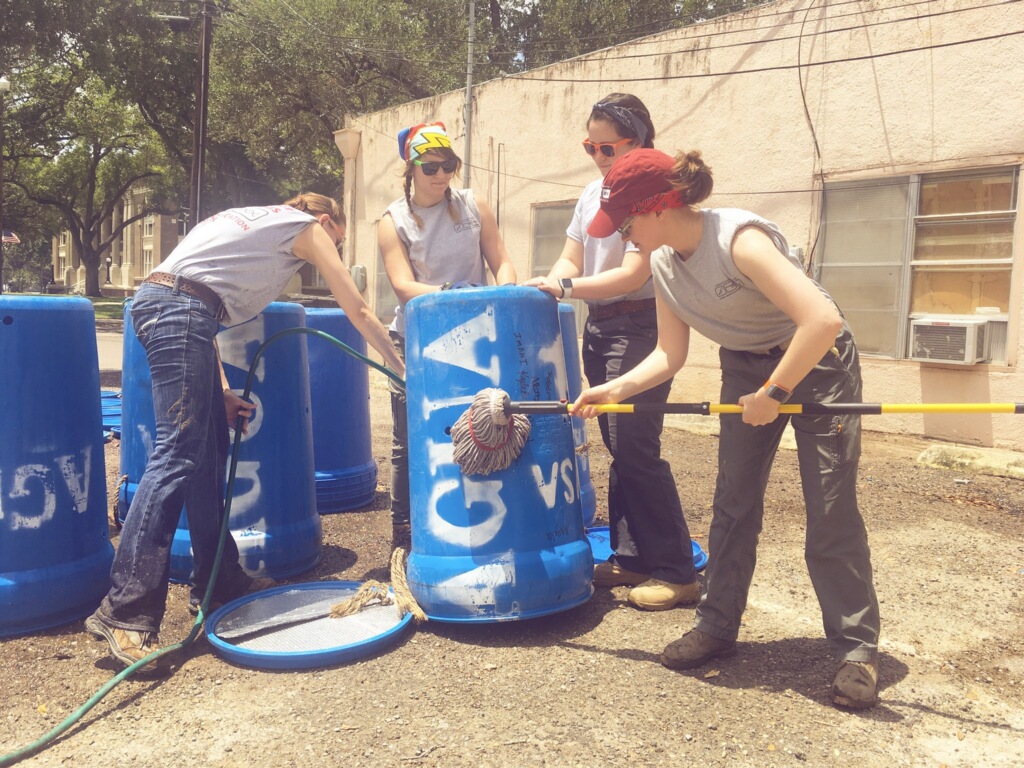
x: 485, y: 438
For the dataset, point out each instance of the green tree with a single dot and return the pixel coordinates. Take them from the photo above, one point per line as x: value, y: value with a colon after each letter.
x: 94, y: 148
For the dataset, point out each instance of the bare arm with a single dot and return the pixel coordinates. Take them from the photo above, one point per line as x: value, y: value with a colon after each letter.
x: 817, y: 320
x: 234, y: 406
x: 314, y: 245
x: 493, y: 247
x: 662, y: 364
x: 633, y: 273
x: 396, y: 263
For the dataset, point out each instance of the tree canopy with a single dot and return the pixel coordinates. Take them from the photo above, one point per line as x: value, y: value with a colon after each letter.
x: 104, y: 91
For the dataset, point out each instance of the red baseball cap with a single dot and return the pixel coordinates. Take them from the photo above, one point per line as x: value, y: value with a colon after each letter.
x: 637, y: 183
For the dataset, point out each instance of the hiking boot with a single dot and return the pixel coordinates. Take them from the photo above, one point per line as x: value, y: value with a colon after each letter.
x: 658, y: 595
x: 856, y: 685
x: 253, y: 585
x: 609, y: 574
x: 694, y: 649
x: 126, y: 645
x: 401, y: 536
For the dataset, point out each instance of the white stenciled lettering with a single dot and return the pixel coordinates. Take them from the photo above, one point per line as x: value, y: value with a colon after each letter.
x: 247, y: 478
x: 76, y: 481
x: 569, y: 478
x: 28, y: 480
x: 549, y: 487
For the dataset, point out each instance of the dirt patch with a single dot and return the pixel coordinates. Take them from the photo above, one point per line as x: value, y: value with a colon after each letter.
x: 584, y: 687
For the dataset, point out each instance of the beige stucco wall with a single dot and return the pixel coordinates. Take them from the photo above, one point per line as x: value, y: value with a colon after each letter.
x: 959, y: 106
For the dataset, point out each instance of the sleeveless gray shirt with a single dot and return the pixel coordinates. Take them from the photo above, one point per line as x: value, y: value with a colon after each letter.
x: 712, y: 296
x: 444, y: 249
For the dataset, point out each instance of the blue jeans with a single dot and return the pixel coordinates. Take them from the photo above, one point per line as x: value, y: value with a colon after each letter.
x: 187, y: 465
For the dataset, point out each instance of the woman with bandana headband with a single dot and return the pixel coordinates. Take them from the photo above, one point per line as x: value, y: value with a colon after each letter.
x: 728, y: 274
x: 431, y: 239
x: 650, y: 540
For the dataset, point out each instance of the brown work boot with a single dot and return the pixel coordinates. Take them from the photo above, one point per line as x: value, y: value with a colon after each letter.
x: 658, y: 595
x: 609, y: 574
x: 126, y: 645
x: 856, y: 685
x: 251, y: 586
x: 401, y: 536
x: 694, y: 649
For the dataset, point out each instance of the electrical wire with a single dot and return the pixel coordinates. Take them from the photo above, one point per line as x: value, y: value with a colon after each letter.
x: 779, y: 68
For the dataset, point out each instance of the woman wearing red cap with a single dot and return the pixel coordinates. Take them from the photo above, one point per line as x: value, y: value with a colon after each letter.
x: 728, y: 274
x: 650, y: 540
x: 431, y: 239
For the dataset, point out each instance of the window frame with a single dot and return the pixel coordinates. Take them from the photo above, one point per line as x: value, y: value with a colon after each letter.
x: 914, y: 180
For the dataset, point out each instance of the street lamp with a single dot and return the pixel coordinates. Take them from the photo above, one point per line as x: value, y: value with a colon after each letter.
x: 5, y: 85
x: 109, y: 261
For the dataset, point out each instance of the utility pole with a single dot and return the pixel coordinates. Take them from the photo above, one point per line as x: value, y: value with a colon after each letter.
x: 202, y: 100
x: 468, y: 110
x: 5, y: 85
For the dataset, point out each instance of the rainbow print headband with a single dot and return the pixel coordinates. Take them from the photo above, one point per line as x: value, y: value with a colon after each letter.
x: 415, y: 141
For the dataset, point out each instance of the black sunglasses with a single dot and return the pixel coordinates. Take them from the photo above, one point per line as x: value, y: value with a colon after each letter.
x: 431, y: 169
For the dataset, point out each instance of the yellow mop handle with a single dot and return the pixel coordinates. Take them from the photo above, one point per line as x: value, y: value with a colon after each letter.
x: 705, y: 409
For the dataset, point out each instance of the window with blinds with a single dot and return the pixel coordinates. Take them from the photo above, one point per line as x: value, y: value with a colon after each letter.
x: 914, y: 248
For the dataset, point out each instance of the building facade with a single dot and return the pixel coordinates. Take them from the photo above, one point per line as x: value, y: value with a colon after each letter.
x: 886, y: 140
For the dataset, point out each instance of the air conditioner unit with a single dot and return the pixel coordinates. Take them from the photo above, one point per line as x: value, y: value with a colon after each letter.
x: 949, y: 341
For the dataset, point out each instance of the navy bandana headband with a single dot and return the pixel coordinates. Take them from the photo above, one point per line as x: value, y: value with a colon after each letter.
x: 625, y: 118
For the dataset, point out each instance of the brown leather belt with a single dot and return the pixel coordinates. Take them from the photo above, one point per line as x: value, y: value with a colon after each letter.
x: 604, y: 311
x: 207, y: 295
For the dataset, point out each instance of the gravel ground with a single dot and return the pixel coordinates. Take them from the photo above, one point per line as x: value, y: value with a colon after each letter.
x: 584, y: 687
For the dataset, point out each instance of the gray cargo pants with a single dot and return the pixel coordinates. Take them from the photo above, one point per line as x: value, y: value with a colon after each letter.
x: 836, y: 546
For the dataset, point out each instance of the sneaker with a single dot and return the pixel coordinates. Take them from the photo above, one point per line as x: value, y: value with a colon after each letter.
x: 254, y: 585
x: 658, y: 595
x: 856, y: 685
x: 694, y: 649
x: 609, y: 574
x: 401, y: 537
x: 126, y: 645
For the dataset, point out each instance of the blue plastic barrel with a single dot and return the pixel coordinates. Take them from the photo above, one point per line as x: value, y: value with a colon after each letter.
x: 138, y: 424
x: 509, y: 545
x: 339, y: 388
x: 270, y: 520
x: 273, y: 513
x: 55, y: 553
x: 570, y: 345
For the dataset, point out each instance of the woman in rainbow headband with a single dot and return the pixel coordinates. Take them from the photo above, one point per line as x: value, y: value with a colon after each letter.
x: 432, y: 238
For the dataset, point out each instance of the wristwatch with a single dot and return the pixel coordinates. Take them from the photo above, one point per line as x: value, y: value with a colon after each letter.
x: 777, y: 393
x: 566, y: 285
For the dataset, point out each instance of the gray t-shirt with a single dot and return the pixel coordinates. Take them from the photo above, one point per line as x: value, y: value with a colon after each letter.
x: 601, y: 253
x: 244, y: 255
x: 712, y: 296
x: 443, y: 250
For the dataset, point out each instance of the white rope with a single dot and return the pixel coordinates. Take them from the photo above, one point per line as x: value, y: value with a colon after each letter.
x: 484, y: 438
